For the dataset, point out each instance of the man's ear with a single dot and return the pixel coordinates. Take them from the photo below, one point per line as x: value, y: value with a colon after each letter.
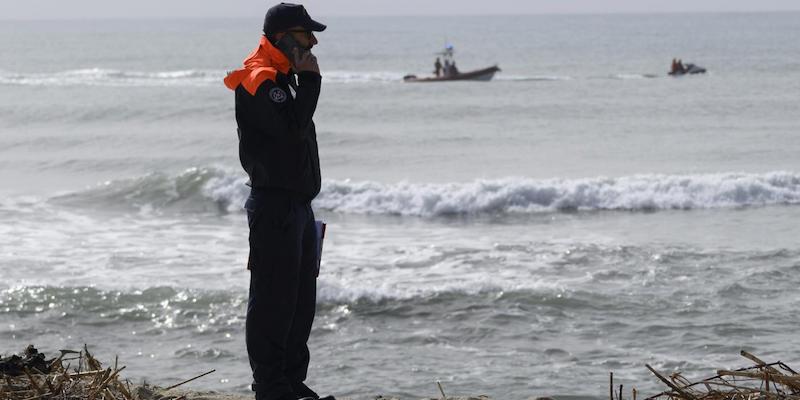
x: 274, y: 37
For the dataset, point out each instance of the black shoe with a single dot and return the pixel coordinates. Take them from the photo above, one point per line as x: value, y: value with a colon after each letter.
x: 261, y: 395
x: 305, y: 393
x: 302, y: 391
x: 288, y: 396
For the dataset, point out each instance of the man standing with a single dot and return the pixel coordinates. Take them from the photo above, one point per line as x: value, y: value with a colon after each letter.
x: 276, y: 96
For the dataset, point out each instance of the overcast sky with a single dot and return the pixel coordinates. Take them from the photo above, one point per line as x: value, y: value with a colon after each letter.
x: 70, y: 9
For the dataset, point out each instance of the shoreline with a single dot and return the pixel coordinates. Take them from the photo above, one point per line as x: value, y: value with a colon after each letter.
x: 78, y: 374
x: 176, y: 394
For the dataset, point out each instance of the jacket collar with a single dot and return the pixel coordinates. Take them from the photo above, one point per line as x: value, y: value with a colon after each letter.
x: 265, y: 62
x: 267, y: 55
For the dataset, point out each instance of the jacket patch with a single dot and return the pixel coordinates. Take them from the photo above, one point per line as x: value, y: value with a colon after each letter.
x: 277, y: 95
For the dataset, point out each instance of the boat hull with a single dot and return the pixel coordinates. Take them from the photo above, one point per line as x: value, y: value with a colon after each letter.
x: 485, y: 74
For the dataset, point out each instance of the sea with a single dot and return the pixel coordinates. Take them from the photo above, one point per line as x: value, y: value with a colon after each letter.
x: 582, y: 213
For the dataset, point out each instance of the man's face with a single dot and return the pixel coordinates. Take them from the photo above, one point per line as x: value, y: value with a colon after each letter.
x: 305, y: 38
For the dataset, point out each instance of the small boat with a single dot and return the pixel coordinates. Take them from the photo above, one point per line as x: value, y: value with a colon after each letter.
x: 485, y: 74
x: 449, y: 72
x: 690, y: 69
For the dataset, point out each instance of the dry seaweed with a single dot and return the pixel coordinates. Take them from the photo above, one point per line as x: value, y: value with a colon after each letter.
x: 30, y: 359
x: 762, y: 381
x: 74, y: 375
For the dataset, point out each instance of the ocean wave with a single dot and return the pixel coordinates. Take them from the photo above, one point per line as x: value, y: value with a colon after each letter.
x: 542, y: 78
x: 556, y: 78
x: 543, y: 272
x: 362, y: 77
x: 217, y: 189
x: 206, y: 78
x: 165, y: 307
x: 523, y: 195
x: 113, y: 77
x: 630, y: 76
x: 193, y: 190
x: 189, y: 77
x: 173, y: 307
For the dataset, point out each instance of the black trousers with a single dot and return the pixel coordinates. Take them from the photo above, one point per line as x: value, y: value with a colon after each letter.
x: 282, y: 300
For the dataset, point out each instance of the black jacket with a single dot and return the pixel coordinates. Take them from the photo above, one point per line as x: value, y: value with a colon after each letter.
x: 277, y: 139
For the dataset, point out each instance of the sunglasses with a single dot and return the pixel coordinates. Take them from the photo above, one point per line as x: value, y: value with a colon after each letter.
x: 306, y: 32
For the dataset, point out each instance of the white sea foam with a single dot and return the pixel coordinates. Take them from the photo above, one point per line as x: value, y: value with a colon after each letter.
x: 189, y: 77
x: 112, y: 77
x: 522, y: 78
x: 228, y: 190
x: 632, y: 76
x: 203, y: 77
x: 524, y: 195
x: 381, y: 289
x: 363, y: 77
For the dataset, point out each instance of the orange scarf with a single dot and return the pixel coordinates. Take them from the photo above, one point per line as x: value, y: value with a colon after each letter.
x: 263, y: 63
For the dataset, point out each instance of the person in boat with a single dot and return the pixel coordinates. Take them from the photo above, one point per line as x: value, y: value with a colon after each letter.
x: 437, y: 67
x: 453, y: 68
x: 446, y: 68
x: 677, y: 67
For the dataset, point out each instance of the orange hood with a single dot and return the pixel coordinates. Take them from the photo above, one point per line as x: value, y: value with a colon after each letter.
x: 263, y: 63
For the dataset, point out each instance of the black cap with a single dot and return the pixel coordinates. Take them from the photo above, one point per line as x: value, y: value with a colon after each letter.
x: 283, y: 16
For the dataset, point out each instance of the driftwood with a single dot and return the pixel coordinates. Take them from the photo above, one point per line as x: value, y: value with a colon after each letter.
x: 30, y: 377
x: 763, y: 381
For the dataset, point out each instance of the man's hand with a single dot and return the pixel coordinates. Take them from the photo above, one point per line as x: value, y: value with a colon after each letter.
x: 305, y: 62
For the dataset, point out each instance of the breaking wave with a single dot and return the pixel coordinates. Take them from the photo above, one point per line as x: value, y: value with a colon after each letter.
x: 216, y: 189
x: 522, y: 195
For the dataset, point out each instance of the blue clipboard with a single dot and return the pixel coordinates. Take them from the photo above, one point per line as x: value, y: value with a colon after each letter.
x: 320, y: 225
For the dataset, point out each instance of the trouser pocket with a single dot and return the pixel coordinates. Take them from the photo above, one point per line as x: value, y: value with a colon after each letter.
x: 272, y: 230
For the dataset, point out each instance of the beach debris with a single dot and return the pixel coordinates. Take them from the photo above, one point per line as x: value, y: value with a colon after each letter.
x: 762, y: 381
x: 445, y: 397
x: 31, y: 377
x: 73, y: 375
x: 30, y: 359
x: 189, y: 380
x: 441, y: 390
x: 442, y: 396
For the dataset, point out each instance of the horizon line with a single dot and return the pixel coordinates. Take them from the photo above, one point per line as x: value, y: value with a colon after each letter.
x: 359, y: 16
